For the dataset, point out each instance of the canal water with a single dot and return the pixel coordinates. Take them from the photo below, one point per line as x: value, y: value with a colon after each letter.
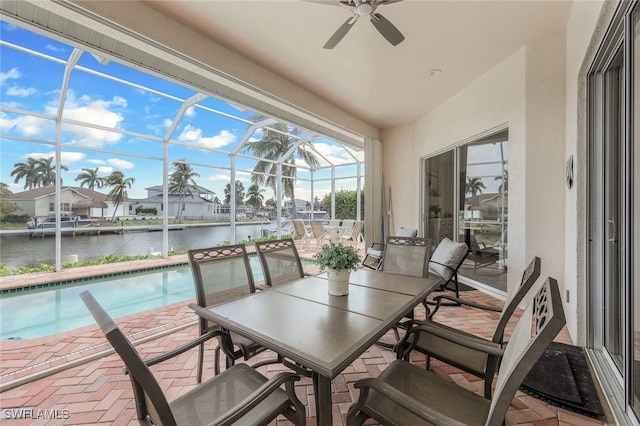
x: 20, y: 250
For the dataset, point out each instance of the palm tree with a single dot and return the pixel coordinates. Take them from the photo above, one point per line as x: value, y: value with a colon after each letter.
x: 272, y: 146
x: 181, y: 181
x: 254, y: 196
x: 28, y: 171
x: 119, y: 185
x: 36, y: 172
x: 473, y: 186
x: 239, y: 193
x: 47, y: 171
x: 90, y: 178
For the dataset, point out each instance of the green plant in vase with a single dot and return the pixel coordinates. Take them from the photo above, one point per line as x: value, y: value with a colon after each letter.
x: 339, y: 260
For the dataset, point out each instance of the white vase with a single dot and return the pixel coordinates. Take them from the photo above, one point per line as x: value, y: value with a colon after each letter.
x: 338, y: 282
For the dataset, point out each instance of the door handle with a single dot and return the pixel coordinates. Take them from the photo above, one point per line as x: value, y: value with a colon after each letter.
x: 614, y: 239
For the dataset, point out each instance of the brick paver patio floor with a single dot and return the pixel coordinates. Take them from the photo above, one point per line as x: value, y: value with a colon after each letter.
x: 69, y: 374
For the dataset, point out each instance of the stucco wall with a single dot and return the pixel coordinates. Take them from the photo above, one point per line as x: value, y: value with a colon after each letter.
x: 580, y: 29
x: 496, y: 98
x: 535, y: 93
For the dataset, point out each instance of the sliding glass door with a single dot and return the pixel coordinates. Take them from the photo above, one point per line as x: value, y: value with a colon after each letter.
x: 614, y: 308
x: 466, y: 199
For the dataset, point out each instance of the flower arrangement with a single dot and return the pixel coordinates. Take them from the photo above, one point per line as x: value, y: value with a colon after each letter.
x: 337, y: 257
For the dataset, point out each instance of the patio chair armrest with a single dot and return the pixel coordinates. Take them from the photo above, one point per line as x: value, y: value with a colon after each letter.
x: 471, y: 342
x: 403, y: 400
x: 183, y: 348
x: 257, y: 396
x: 438, y: 301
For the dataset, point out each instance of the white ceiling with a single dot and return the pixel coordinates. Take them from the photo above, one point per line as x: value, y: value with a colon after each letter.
x: 364, y: 75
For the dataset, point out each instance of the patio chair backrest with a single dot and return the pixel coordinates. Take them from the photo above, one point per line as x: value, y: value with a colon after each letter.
x: 539, y: 324
x: 407, y: 256
x: 354, y: 235
x: 149, y: 397
x: 447, y: 258
x: 317, y: 228
x: 347, y: 225
x: 529, y: 277
x: 280, y: 261
x: 299, y: 228
x: 221, y: 273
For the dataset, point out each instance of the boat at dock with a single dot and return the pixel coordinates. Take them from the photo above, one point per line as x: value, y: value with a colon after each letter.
x: 49, y: 222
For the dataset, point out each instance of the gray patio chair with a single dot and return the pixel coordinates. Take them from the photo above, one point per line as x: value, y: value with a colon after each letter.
x: 405, y: 256
x: 445, y: 262
x: 239, y: 394
x: 473, y: 361
x: 280, y: 261
x: 375, y: 253
x: 531, y: 272
x: 405, y: 394
x: 302, y: 232
x: 221, y: 274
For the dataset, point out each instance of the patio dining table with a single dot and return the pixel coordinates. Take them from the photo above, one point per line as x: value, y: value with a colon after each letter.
x: 303, y: 323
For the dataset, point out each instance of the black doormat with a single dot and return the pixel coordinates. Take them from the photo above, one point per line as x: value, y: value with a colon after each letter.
x: 561, y: 377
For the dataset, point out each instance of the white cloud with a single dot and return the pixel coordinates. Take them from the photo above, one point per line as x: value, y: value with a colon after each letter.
x: 190, y: 112
x: 96, y: 111
x: 193, y: 135
x: 13, y: 73
x: 167, y: 122
x: 71, y: 157
x: 105, y: 170
x: 335, y: 154
x: 21, y: 92
x: 67, y: 157
x: 221, y: 177
x: 96, y: 161
x: 25, y: 125
x: 120, y: 164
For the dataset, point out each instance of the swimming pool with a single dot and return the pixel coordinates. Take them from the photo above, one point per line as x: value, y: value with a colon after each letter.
x: 43, y: 312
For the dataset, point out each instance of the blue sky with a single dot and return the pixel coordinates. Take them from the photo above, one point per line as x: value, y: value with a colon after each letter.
x: 143, y: 112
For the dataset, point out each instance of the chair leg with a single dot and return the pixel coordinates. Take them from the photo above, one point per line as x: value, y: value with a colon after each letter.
x: 216, y: 362
x: 487, y: 387
x: 200, y: 361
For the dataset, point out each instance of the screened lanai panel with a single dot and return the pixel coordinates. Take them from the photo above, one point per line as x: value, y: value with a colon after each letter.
x: 126, y: 123
x: 201, y: 128
x: 109, y: 103
x: 27, y: 127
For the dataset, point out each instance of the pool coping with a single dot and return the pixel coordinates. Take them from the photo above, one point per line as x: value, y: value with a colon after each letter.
x: 69, y: 275
x: 30, y: 359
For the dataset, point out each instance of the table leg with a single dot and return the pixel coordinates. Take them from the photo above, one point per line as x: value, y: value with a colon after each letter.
x: 322, y: 389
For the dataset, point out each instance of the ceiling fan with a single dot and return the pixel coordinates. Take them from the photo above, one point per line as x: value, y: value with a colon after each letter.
x: 365, y: 8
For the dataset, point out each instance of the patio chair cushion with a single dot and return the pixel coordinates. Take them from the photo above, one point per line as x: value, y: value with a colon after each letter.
x: 406, y: 232
x: 446, y: 257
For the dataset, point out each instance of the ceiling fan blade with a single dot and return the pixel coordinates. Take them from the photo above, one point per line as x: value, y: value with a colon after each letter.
x: 340, y: 33
x: 333, y: 2
x: 387, y: 29
x: 381, y: 2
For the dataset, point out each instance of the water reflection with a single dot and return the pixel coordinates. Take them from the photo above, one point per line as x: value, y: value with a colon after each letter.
x: 17, y: 251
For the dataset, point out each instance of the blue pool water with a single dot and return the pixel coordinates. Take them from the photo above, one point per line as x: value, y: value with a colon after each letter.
x: 43, y: 312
